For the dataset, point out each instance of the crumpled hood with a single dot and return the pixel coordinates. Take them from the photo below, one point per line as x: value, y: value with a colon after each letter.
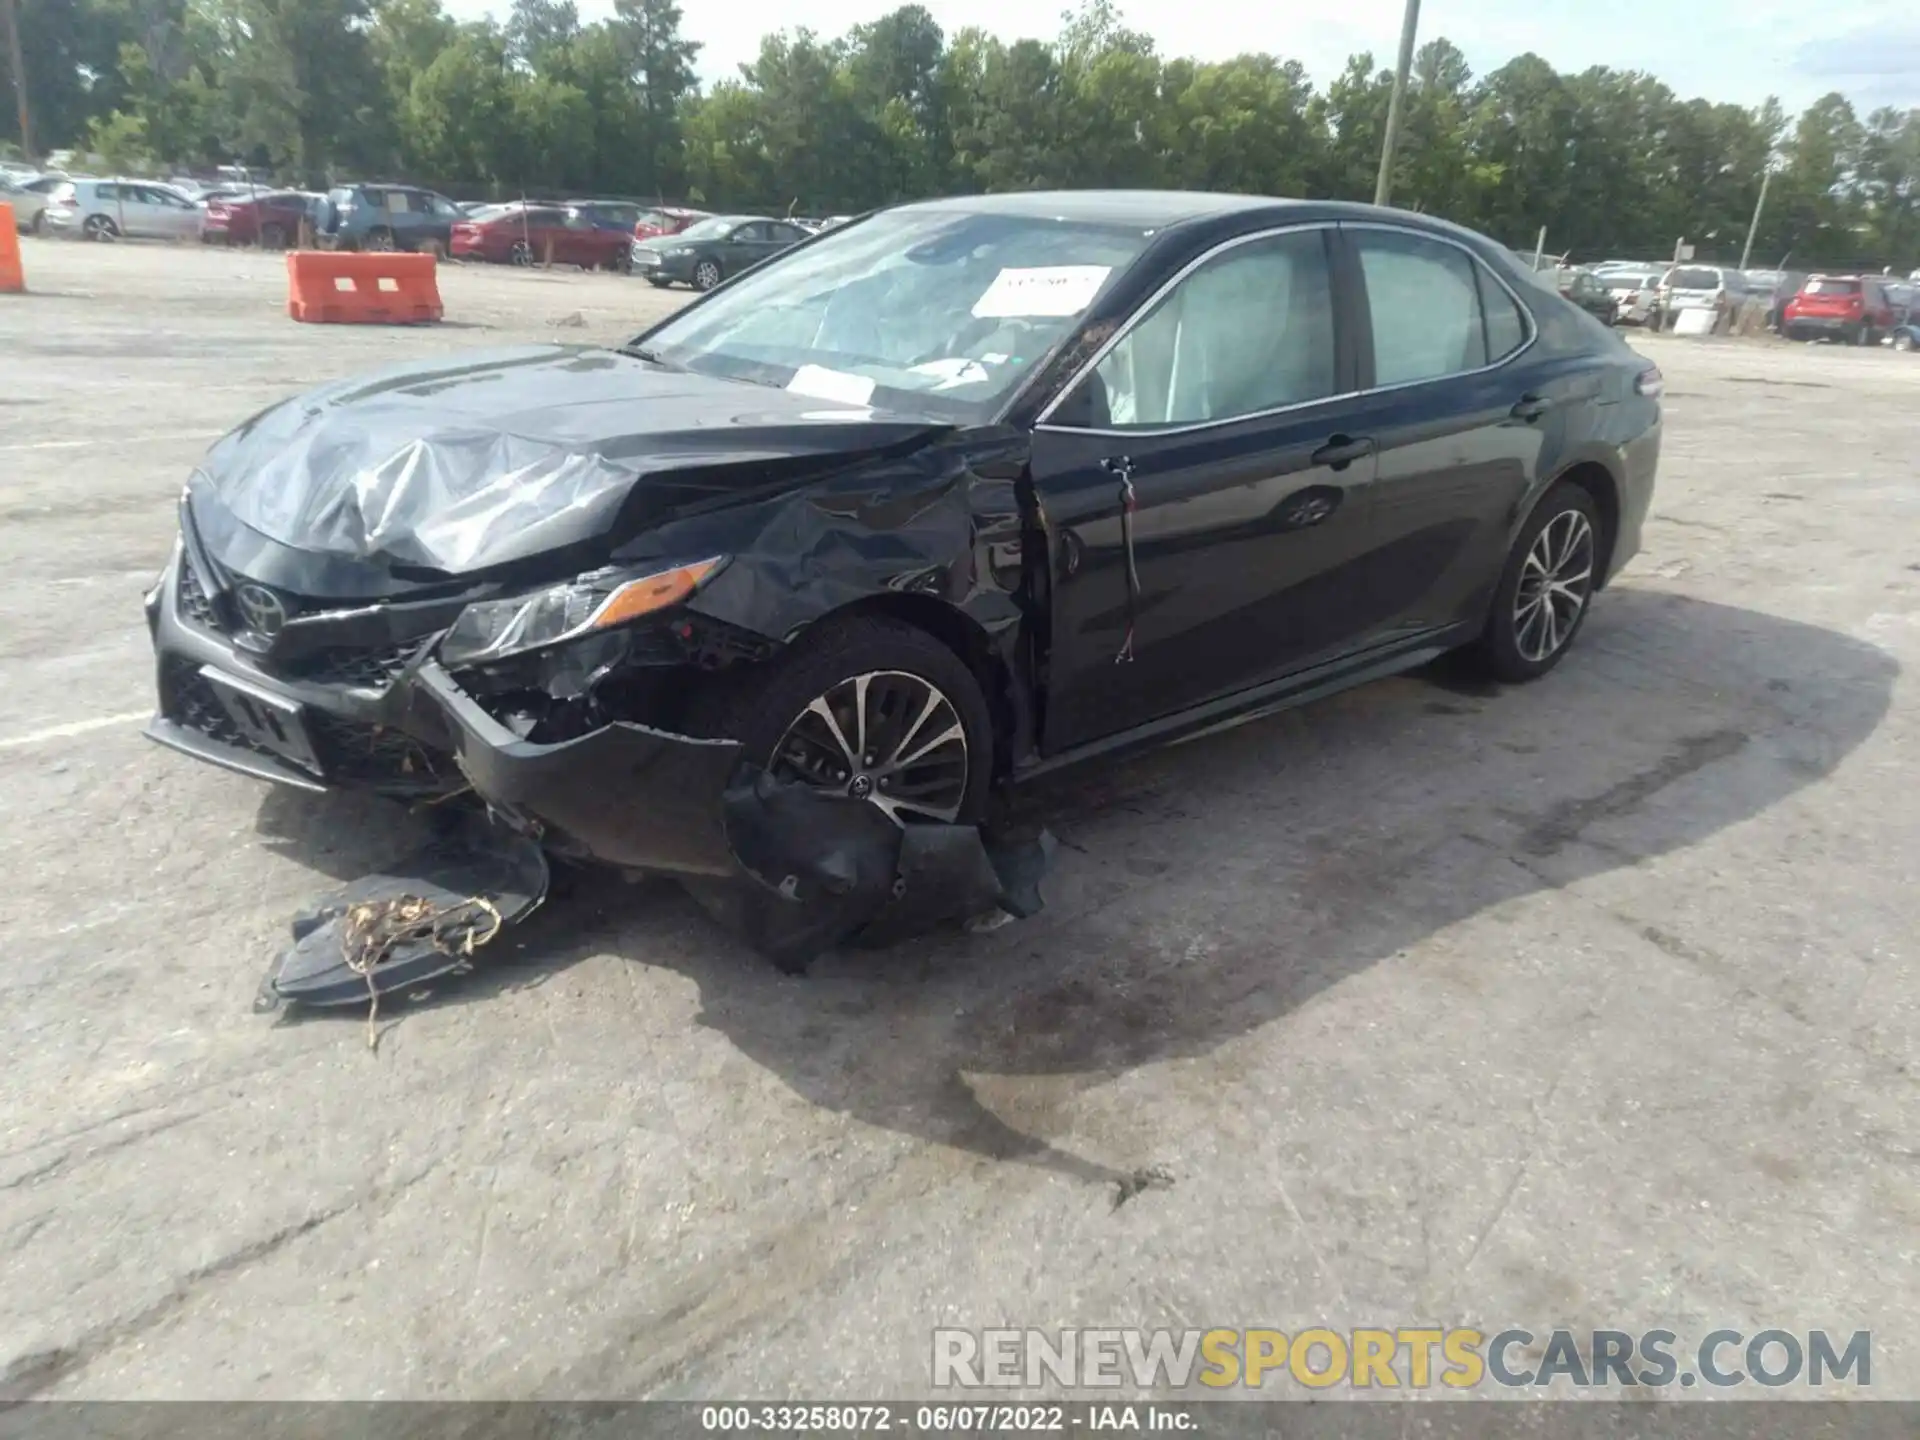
x: 482, y: 459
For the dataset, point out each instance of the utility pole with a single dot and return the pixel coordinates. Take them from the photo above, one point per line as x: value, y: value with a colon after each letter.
x: 1746, y: 251
x: 19, y: 64
x: 1383, y: 187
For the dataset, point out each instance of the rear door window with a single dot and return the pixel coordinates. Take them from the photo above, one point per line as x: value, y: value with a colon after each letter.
x: 1425, y: 307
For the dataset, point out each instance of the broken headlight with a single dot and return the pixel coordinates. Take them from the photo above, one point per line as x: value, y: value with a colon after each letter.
x: 494, y: 629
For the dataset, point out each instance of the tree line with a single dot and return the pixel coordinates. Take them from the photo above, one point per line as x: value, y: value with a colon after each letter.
x: 1610, y: 162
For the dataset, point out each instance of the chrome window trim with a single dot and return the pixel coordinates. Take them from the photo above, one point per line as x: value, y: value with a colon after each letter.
x: 1146, y: 309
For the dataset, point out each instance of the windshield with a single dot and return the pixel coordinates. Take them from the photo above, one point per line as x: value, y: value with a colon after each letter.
x: 1819, y: 286
x: 1618, y: 280
x: 932, y: 312
x: 1695, y: 280
x: 709, y: 230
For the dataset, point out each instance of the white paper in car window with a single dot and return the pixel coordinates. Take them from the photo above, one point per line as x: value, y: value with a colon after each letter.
x: 1041, y: 290
x: 825, y: 384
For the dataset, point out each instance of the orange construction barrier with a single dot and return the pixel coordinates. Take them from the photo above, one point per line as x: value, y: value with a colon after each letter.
x: 354, y: 288
x: 13, y: 275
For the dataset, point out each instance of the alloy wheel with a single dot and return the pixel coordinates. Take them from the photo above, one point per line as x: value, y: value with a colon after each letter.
x: 886, y: 737
x: 521, y: 254
x: 1556, y: 580
x: 98, y: 227
x: 706, y: 275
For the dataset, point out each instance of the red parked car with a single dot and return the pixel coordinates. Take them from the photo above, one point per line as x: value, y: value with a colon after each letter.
x: 270, y: 218
x: 1854, y: 308
x: 535, y: 234
x: 667, y: 220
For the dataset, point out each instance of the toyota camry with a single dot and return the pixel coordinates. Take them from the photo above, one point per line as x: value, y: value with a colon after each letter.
x: 936, y: 502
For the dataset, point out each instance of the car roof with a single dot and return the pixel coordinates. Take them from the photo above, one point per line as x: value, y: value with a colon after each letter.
x: 1146, y: 208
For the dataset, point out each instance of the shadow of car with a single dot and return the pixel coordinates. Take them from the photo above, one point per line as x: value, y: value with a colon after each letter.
x: 1208, y: 890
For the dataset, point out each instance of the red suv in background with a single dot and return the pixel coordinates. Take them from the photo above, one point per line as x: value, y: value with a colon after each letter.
x: 270, y: 218
x: 666, y: 220
x: 520, y: 234
x: 1854, y: 308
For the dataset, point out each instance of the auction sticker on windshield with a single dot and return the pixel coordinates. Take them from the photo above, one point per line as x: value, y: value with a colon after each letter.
x: 1041, y: 290
x: 824, y: 384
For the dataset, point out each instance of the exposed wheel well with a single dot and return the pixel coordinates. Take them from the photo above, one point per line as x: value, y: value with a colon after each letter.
x: 967, y: 640
x: 1598, y: 482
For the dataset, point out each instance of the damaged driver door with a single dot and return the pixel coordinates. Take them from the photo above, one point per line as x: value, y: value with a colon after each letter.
x: 1206, y: 507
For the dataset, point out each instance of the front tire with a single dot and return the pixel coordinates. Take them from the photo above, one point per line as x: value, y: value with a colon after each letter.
x: 273, y: 236
x: 379, y: 240
x: 706, y: 275
x: 521, y: 254
x: 1545, y: 589
x: 865, y: 698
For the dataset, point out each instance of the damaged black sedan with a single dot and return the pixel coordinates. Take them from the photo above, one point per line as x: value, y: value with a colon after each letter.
x: 775, y: 596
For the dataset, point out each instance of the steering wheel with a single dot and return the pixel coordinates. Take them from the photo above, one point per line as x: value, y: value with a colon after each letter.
x: 981, y: 327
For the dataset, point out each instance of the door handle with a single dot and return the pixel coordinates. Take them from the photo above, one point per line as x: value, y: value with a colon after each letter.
x: 1341, y: 451
x: 1531, y: 408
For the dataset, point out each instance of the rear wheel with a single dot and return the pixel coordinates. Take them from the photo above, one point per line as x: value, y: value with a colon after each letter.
x: 706, y: 275
x: 379, y: 238
x: 1544, y: 590
x: 99, y: 227
x: 273, y: 236
x: 521, y: 254
x: 1903, y: 340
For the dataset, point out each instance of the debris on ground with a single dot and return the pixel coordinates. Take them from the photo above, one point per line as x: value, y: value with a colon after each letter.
x: 419, y: 919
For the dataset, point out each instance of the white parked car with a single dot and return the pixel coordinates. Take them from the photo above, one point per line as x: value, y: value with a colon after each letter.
x: 1703, y: 287
x: 28, y: 195
x: 109, y: 209
x: 1636, y: 292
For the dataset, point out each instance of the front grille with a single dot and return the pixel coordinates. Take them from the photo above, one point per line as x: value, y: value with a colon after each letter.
x: 195, y: 606
x: 187, y: 699
x: 366, y: 669
x: 364, y: 754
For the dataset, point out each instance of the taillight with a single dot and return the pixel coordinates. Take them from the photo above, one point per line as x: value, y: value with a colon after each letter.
x: 1649, y: 383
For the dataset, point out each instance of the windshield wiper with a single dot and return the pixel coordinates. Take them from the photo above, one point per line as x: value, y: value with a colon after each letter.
x: 652, y: 357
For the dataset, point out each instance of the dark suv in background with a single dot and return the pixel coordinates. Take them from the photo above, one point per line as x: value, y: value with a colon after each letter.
x: 387, y: 217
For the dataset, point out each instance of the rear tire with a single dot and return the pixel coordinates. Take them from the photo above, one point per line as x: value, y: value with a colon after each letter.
x: 1545, y: 590
x: 273, y: 237
x: 1903, y: 341
x: 379, y: 240
x: 99, y: 227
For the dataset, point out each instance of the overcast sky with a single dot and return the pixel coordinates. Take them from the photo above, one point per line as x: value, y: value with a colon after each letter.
x: 1742, y: 52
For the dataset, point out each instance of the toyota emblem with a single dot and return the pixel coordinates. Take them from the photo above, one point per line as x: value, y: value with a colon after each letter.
x: 263, y: 611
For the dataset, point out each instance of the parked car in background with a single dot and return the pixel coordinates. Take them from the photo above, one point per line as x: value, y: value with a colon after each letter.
x: 538, y: 234
x: 1853, y: 308
x: 110, y: 209
x: 268, y: 218
x: 1636, y: 295
x: 666, y: 220
x: 1702, y: 287
x: 27, y: 195
x: 387, y: 217
x: 1902, y: 298
x: 1776, y: 287
x: 621, y: 215
x: 1906, y: 335
x: 1585, y: 289
x: 708, y: 252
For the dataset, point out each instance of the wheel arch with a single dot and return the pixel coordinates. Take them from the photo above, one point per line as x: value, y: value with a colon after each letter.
x: 968, y: 640
x: 1599, y: 481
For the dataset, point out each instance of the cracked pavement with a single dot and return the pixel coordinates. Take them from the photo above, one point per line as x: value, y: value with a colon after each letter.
x: 1589, y: 1003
